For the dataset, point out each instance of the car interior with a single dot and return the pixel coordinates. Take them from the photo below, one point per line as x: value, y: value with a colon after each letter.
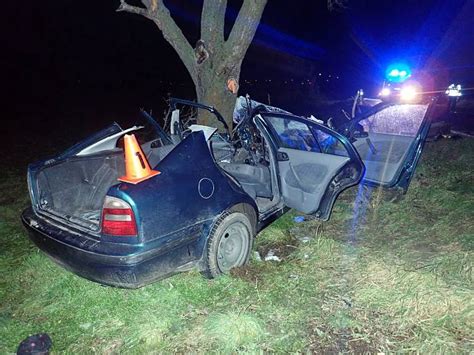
x: 246, y: 158
x: 305, y: 173
x: 251, y: 168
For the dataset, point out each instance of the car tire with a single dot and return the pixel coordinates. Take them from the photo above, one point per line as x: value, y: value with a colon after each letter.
x: 229, y: 244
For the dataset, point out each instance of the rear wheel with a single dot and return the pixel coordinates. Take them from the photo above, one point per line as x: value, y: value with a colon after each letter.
x: 229, y: 244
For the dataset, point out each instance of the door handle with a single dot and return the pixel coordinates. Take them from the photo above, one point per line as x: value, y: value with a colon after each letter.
x: 282, y: 156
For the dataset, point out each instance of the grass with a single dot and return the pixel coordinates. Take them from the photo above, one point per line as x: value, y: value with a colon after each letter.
x: 381, y: 276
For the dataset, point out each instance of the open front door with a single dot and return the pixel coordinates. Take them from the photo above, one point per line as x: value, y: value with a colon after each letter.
x: 390, y: 142
x: 314, y: 163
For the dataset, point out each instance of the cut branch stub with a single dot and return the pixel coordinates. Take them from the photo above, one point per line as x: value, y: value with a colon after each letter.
x: 201, y: 52
x: 153, y: 5
x: 232, y: 85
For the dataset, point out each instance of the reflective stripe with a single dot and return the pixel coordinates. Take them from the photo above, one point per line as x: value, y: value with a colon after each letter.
x: 118, y: 217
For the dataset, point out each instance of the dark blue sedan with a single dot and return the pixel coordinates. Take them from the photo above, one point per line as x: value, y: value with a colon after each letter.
x: 215, y: 191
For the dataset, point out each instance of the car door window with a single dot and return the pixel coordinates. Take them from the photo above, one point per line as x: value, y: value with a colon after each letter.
x: 294, y: 134
x: 329, y: 144
x: 386, y: 141
x: 400, y: 120
x: 297, y: 135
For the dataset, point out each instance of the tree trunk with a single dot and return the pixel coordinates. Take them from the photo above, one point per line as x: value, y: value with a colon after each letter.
x: 211, y: 90
x: 214, y: 64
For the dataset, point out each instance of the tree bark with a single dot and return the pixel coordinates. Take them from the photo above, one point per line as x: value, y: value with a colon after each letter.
x: 212, y: 90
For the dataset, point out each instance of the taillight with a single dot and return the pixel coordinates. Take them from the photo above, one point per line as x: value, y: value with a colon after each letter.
x: 118, y: 218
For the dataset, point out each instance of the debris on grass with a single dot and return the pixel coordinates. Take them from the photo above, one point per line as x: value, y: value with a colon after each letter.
x: 299, y: 219
x: 278, y: 250
x: 271, y: 256
x: 304, y: 239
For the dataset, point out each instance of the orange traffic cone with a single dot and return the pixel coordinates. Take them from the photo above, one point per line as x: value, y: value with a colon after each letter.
x: 137, y: 168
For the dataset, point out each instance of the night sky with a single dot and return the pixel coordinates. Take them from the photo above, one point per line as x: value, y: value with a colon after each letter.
x: 64, y: 57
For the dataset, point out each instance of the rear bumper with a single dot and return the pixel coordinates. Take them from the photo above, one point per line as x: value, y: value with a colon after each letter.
x: 128, y: 267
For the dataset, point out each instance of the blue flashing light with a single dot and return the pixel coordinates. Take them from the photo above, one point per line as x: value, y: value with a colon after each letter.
x: 394, y: 73
x: 398, y: 72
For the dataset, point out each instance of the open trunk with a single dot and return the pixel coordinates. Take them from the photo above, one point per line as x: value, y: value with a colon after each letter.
x: 75, y: 189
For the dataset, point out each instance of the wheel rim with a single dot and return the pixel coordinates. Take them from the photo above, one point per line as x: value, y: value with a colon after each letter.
x: 233, y: 246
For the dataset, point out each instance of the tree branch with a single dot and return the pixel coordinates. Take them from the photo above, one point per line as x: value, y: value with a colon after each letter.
x: 244, y: 30
x: 156, y: 11
x: 212, y: 24
x: 133, y: 9
x: 334, y: 5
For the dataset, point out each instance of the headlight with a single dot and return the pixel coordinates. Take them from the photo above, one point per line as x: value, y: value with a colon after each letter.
x: 408, y: 93
x: 385, y: 92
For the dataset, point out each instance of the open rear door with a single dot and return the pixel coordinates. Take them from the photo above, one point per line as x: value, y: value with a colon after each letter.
x: 315, y: 163
x: 389, y: 142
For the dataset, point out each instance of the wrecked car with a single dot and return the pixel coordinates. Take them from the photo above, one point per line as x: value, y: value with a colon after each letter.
x: 210, y: 193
